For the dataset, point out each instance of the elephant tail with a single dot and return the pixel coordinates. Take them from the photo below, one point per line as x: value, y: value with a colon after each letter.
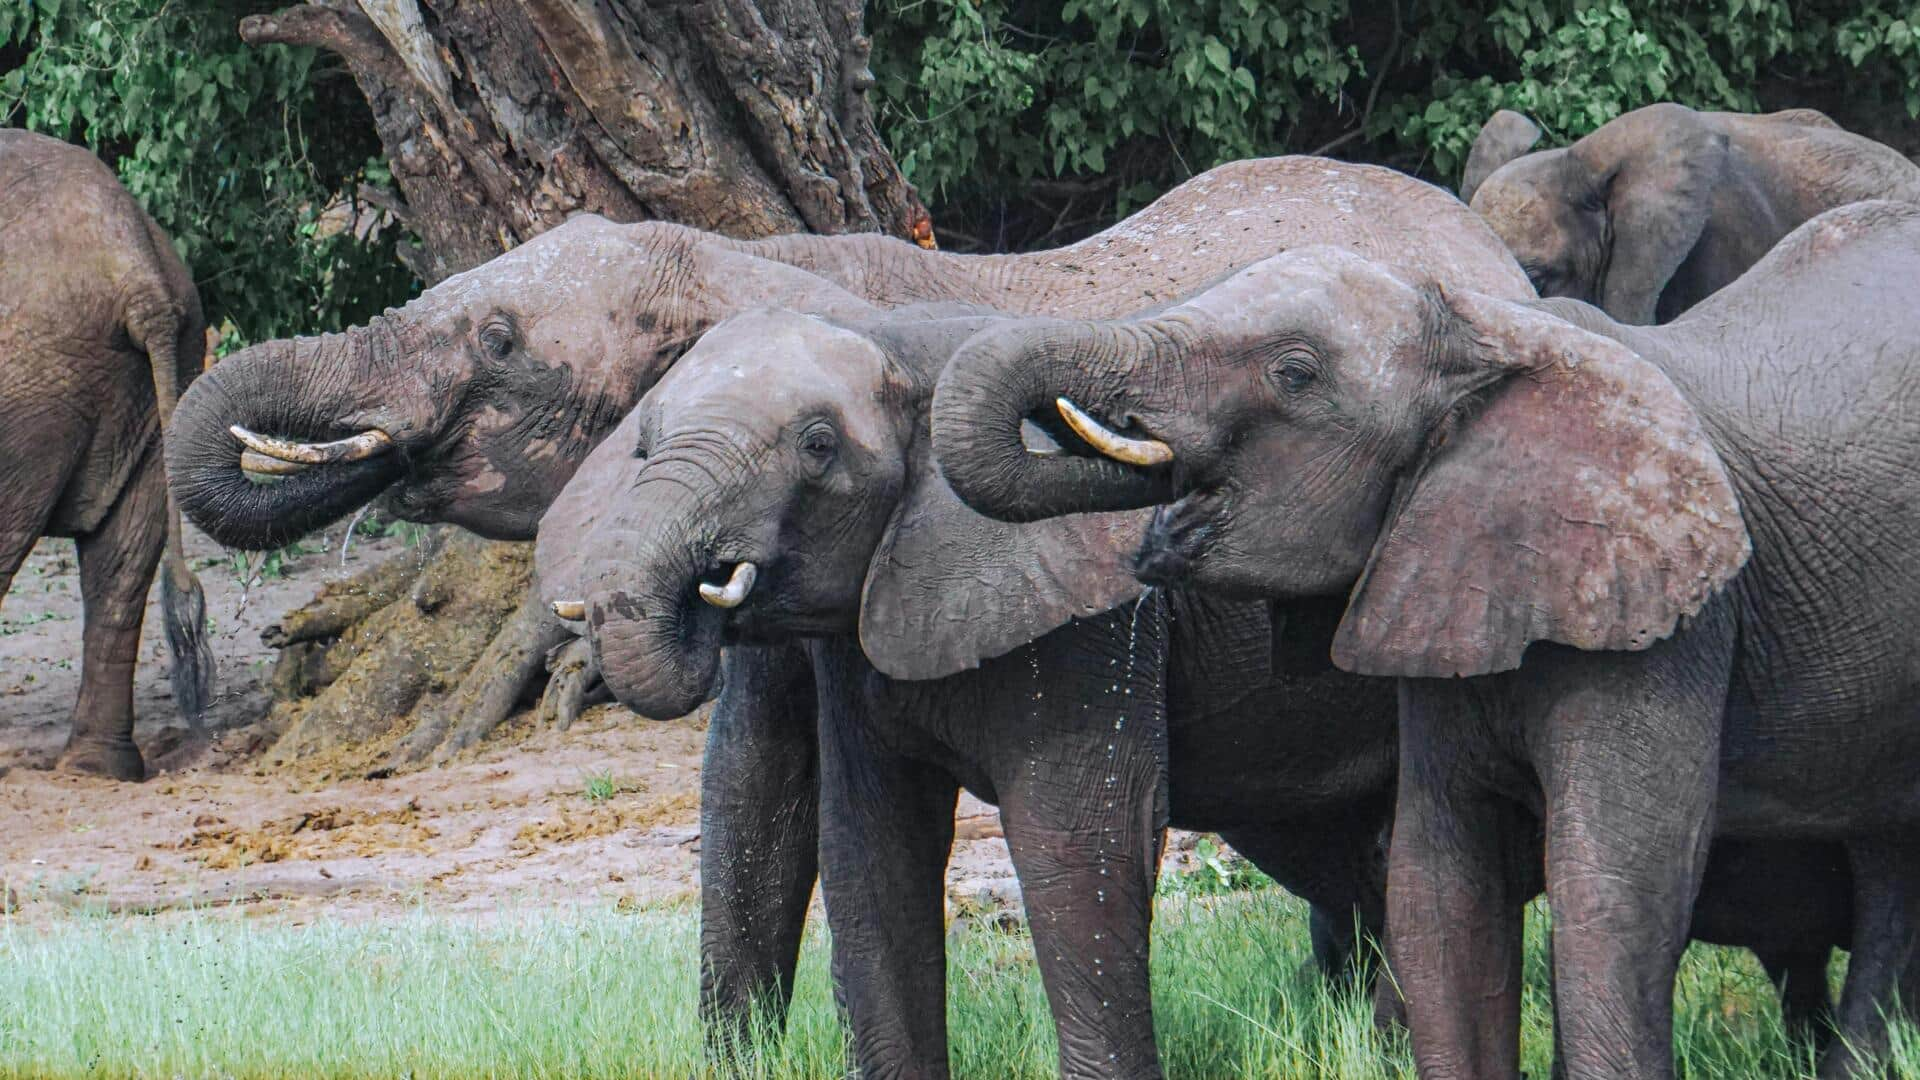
x: 183, y: 607
x: 183, y: 603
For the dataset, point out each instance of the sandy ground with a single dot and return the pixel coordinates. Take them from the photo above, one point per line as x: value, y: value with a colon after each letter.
x: 508, y: 825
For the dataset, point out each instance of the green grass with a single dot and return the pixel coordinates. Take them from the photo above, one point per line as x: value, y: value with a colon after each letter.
x: 601, y: 994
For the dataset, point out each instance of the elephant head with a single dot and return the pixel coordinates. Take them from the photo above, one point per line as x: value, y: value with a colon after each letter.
x: 778, y: 484
x: 472, y: 404
x: 1477, y: 473
x: 1608, y: 219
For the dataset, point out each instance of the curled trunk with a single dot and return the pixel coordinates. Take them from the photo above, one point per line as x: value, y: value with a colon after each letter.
x: 294, y: 390
x: 655, y: 639
x: 1008, y: 377
x: 659, y: 648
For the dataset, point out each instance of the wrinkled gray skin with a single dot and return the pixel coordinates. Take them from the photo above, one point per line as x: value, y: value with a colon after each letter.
x: 1092, y: 717
x: 493, y: 385
x: 100, y: 328
x: 1664, y: 206
x: 1475, y: 475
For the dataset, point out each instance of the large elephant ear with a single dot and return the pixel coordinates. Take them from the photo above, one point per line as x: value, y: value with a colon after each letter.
x: 949, y: 588
x: 1576, y: 499
x: 1661, y: 165
x: 1504, y: 137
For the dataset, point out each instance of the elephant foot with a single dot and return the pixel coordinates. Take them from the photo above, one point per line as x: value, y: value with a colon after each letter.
x: 118, y: 760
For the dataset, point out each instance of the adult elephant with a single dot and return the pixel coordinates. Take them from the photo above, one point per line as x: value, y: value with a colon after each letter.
x: 100, y: 328
x: 1664, y: 206
x: 474, y: 403
x: 1541, y: 520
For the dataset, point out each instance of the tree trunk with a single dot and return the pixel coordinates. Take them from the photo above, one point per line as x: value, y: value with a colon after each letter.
x: 501, y: 119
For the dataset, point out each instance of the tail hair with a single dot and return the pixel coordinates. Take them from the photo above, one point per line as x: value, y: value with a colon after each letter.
x: 183, y: 607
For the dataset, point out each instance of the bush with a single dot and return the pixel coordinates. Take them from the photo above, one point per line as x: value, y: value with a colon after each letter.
x: 248, y: 157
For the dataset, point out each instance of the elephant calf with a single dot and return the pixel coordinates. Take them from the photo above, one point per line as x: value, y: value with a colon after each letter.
x: 1640, y: 586
x: 100, y: 329
x: 1664, y: 206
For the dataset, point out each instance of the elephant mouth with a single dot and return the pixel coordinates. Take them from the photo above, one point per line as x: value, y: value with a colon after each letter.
x: 1179, y: 537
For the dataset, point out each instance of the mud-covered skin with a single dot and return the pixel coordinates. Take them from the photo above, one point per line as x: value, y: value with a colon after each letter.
x: 100, y: 328
x: 1662, y: 207
x: 1092, y: 721
x: 1485, y: 441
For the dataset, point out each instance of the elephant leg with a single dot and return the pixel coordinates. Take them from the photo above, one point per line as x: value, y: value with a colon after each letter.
x: 1806, y: 1009
x: 759, y: 830
x: 117, y: 560
x: 1627, y: 747
x: 1083, y: 825
x: 1886, y: 919
x: 1454, y: 894
x: 886, y: 830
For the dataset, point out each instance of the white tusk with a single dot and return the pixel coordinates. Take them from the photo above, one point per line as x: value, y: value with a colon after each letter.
x: 1116, y: 446
x: 571, y: 610
x: 354, y: 448
x: 262, y: 465
x: 736, y: 590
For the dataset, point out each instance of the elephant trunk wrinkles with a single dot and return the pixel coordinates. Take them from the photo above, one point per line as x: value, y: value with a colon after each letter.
x: 657, y: 643
x: 1006, y: 376
x: 296, y: 389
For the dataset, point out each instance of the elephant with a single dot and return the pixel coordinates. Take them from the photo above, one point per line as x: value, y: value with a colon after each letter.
x: 1639, y: 586
x: 474, y: 403
x: 100, y: 329
x: 1662, y: 207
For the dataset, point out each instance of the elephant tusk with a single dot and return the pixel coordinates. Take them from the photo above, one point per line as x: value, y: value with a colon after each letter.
x: 571, y: 610
x: 354, y: 448
x: 736, y: 589
x: 262, y: 465
x: 1114, y: 445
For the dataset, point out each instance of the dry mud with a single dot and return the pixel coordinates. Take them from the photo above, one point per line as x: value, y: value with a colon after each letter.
x: 507, y: 825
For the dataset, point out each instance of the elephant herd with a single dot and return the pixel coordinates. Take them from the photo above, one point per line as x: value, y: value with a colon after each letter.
x: 1437, y: 554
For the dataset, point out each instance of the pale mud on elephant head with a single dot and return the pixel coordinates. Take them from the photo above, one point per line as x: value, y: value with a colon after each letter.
x: 473, y: 403
x: 1477, y: 472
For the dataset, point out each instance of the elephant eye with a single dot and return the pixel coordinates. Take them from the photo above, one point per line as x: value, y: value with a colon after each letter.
x: 1294, y: 375
x: 818, y: 445
x: 497, y: 338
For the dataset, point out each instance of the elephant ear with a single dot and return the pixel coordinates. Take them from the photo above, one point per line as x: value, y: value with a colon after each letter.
x: 1505, y: 137
x: 949, y: 588
x: 1662, y: 165
x: 1575, y: 499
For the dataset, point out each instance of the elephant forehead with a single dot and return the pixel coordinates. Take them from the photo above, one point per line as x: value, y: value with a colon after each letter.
x: 777, y: 359
x: 1326, y: 294
x: 1514, y: 206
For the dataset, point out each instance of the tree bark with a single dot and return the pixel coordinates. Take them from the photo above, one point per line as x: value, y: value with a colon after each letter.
x: 500, y: 120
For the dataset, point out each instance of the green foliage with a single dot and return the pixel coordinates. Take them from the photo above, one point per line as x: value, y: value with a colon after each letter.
x: 1030, y: 123
x: 247, y: 157
x: 1220, y: 870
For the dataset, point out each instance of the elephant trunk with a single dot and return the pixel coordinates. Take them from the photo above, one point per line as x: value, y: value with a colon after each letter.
x: 656, y: 612
x: 262, y: 448
x: 1059, y: 377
